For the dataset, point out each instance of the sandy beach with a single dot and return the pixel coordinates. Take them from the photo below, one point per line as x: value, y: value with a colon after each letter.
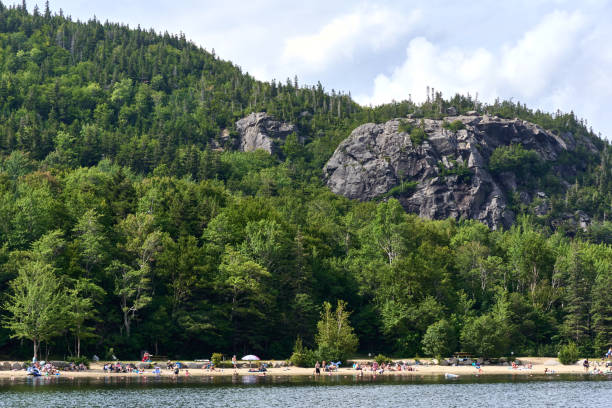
x: 538, y: 366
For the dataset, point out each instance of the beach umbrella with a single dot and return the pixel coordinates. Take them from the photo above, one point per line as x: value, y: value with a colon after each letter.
x: 249, y: 358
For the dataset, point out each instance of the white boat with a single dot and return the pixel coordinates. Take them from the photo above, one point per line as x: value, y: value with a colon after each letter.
x: 450, y: 376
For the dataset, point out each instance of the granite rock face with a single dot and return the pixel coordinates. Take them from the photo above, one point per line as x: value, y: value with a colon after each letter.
x: 261, y: 131
x: 449, y: 168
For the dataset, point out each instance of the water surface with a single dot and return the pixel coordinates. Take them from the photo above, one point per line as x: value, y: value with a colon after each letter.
x: 302, y: 391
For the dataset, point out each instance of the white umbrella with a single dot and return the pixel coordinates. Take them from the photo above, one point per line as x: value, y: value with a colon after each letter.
x: 249, y: 358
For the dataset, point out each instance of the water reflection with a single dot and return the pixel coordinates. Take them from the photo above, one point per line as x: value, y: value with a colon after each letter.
x: 277, y: 380
x: 286, y: 391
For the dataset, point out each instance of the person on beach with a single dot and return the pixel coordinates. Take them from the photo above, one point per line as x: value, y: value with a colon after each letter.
x: 234, y: 362
x: 317, y: 368
x: 146, y: 357
x: 586, y: 364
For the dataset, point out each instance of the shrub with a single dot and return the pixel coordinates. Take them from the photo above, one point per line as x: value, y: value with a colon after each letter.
x: 302, y: 356
x: 463, y: 173
x: 453, y: 126
x: 216, y: 358
x: 405, y: 187
x: 78, y: 360
x: 515, y: 159
x: 405, y: 126
x: 418, y: 136
x: 568, y: 354
x: 381, y: 359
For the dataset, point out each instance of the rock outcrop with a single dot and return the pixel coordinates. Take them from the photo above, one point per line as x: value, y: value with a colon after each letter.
x: 261, y: 131
x: 447, y: 173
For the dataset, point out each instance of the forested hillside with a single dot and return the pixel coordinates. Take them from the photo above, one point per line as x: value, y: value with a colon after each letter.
x: 125, y: 208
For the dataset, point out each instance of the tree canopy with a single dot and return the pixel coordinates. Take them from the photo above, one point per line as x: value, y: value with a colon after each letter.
x: 128, y: 215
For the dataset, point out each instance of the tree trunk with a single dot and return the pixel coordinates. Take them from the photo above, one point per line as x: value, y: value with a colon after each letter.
x: 126, y: 317
x: 78, y: 350
x: 35, y: 349
x: 126, y: 323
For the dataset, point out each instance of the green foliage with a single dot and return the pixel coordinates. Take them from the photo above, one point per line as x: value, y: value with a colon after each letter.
x: 302, y: 356
x: 489, y: 335
x: 335, y: 338
x: 483, y: 337
x: 78, y: 360
x: 37, y: 305
x: 381, y: 359
x: 404, y: 188
x: 440, y: 339
x: 418, y: 136
x: 453, y: 126
x: 405, y: 126
x: 463, y: 173
x: 568, y: 354
x: 515, y: 159
x: 216, y: 359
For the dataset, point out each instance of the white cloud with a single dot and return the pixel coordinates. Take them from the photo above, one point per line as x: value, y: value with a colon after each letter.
x: 428, y: 65
x: 365, y: 29
x: 562, y: 62
x: 531, y: 64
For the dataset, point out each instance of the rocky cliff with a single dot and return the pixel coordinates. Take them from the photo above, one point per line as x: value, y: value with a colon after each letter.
x: 446, y: 172
x: 261, y: 131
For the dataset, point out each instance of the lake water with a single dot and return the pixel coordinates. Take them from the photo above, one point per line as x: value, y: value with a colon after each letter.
x: 341, y: 391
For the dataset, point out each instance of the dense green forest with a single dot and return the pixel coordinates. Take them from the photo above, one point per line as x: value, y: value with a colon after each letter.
x: 127, y: 222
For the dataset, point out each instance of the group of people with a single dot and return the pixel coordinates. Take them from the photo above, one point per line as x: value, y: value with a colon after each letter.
x: 323, y: 366
x: 376, y: 368
x: 39, y: 369
x: 75, y: 367
x: 119, y: 368
x: 131, y: 368
x: 372, y: 367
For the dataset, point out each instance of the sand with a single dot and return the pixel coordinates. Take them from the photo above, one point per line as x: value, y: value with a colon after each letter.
x: 538, y: 366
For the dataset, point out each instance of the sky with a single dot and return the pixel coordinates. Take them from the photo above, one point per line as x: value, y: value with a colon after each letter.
x: 549, y: 54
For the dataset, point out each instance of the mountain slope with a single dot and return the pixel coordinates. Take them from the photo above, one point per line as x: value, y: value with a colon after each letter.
x: 122, y: 179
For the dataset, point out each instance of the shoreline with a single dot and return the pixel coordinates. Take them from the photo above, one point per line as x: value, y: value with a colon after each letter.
x: 538, y: 367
